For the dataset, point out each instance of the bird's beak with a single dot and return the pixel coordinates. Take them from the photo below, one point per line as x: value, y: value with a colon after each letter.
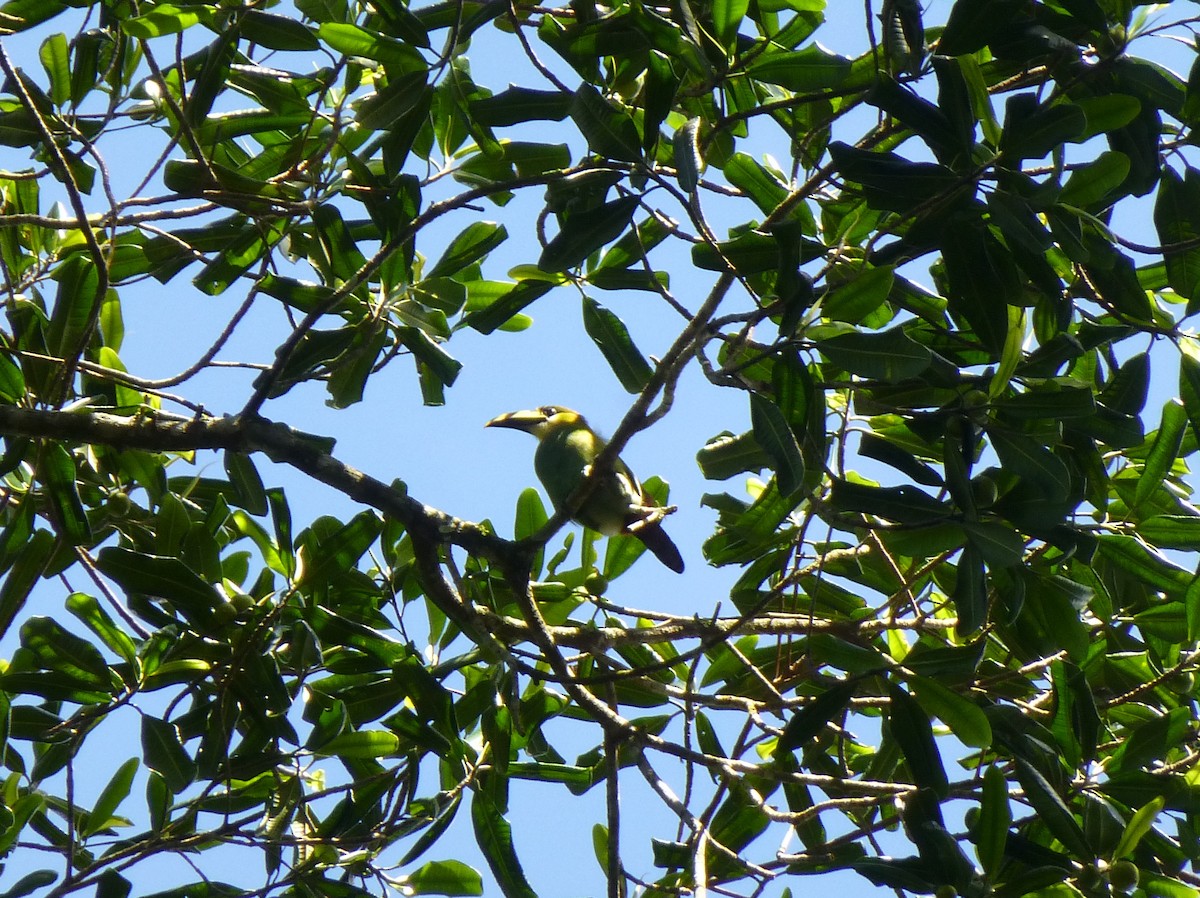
x: 527, y: 421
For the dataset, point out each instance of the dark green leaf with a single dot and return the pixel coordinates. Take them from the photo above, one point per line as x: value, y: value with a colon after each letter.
x: 812, y: 718
x: 903, y: 504
x: 276, y: 32
x: 609, y: 131
x: 162, y: 577
x: 973, y: 24
x: 726, y: 455
x: 910, y: 726
x: 1051, y: 809
x: 1163, y: 451
x: 521, y: 104
x: 494, y: 836
x: 773, y: 434
x: 970, y: 590
x: 1133, y: 556
x: 30, y: 882
x: 889, y: 356
x: 471, y: 245
x: 24, y: 573
x: 57, y: 469
x: 1030, y: 460
x: 1177, y: 220
x: 1033, y: 130
x: 355, y: 41
x: 165, y: 755
x: 893, y: 183
x: 995, y: 818
x: 811, y: 68
x: 611, y: 336
x: 583, y: 234
x: 247, y: 485
x: 965, y: 719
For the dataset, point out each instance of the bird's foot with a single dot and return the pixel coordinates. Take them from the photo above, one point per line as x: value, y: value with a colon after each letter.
x: 649, y: 515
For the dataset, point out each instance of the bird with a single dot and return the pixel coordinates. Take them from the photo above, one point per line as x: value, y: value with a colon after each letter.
x: 617, y: 503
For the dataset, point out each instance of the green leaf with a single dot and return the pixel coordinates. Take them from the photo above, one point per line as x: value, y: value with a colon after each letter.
x: 112, y: 884
x: 12, y: 381
x: 725, y: 455
x: 355, y: 41
x: 444, y: 878
x: 110, y: 798
x: 1177, y: 220
x: 57, y: 649
x: 521, y: 104
x: 71, y: 319
x: 1139, y: 825
x: 811, y: 68
x: 1092, y: 183
x: 892, y: 183
x: 494, y: 836
x: 531, y: 517
x: 276, y: 32
x: 764, y: 187
x: 398, y: 104
x: 927, y: 120
x: 999, y: 545
x: 964, y: 718
x: 57, y: 469
x: 161, y: 577
x: 584, y: 233
x: 727, y: 16
x: 27, y: 568
x: 1051, y: 809
x: 910, y: 727
x: 970, y: 590
x: 361, y: 744
x: 859, y: 296
x: 689, y: 161
x: 1163, y: 451
x: 609, y: 131
x: 1033, y: 130
x: 775, y: 437
x: 972, y: 24
x: 1171, y: 531
x: 903, y: 504
x: 30, y: 882
x: 611, y: 336
x: 811, y: 719
x: 247, y: 485
x: 1030, y: 460
x: 995, y: 818
x: 889, y: 355
x: 164, y: 754
x: 1143, y: 563
x: 55, y: 56
x: 161, y: 20
x: 88, y: 610
x: 983, y: 281
x: 471, y: 245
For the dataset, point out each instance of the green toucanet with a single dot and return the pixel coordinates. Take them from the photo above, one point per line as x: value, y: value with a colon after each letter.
x: 567, y: 446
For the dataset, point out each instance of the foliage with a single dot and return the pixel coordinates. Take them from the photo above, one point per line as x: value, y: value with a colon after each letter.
x: 963, y: 654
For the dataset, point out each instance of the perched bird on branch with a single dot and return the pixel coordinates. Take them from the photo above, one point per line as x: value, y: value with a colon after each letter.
x: 616, y: 503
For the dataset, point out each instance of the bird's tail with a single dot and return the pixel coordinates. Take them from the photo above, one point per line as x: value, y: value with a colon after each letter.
x: 657, y: 541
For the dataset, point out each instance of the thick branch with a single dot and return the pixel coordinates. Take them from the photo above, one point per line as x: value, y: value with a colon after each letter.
x: 160, y: 432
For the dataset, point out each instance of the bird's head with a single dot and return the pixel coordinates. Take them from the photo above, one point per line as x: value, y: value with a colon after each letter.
x: 539, y: 421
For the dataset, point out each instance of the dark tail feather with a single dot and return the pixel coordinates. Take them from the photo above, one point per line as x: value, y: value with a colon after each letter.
x: 657, y: 541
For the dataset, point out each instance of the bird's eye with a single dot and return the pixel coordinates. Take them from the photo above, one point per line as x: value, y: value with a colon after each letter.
x: 549, y: 410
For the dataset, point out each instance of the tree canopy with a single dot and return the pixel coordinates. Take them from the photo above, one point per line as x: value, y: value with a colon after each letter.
x: 940, y: 271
